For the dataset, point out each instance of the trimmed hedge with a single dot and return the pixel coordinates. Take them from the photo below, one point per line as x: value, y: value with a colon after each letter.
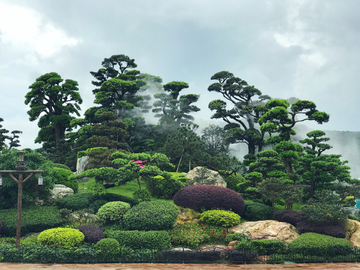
x: 87, y: 200
x: 255, y: 211
x: 335, y: 229
x: 157, y: 240
x: 33, y: 219
x: 208, y: 197
x: 64, y: 177
x: 151, y: 216
x: 313, y: 244
x: 268, y: 247
x: 92, y: 233
x: 112, y: 211
x: 1, y: 226
x: 221, y: 218
x: 61, y: 237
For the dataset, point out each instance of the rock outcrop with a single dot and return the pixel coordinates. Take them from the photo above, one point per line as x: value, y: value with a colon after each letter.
x: 187, y: 215
x: 205, y: 176
x: 59, y: 191
x: 267, y: 229
x: 353, y: 232
x: 81, y: 163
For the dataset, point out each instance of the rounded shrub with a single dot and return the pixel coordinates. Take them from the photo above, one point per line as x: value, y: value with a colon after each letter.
x: 112, y: 211
x: 142, y: 195
x: 75, y: 202
x: 208, y: 197
x: 292, y: 217
x: 313, y: 244
x: 232, y: 179
x: 107, y: 245
x: 220, y: 218
x: 147, y: 216
x: 64, y: 177
x: 61, y: 237
x: 257, y: 211
x: 92, y: 233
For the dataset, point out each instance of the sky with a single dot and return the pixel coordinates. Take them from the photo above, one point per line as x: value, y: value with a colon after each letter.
x: 285, y: 48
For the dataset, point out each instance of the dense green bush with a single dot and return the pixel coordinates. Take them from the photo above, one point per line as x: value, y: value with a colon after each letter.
x: 64, y: 177
x: 108, y: 245
x: 75, y: 202
x: 232, y: 179
x: 157, y: 240
x: 1, y: 226
x: 220, y: 218
x: 92, y: 233
x: 112, y: 211
x: 313, y: 244
x: 257, y: 211
x: 165, y: 187
x: 268, y: 247
x: 33, y: 219
x: 61, y: 237
x: 147, y: 216
x: 142, y: 195
x: 189, y: 235
x: 209, y: 197
x: 237, y: 237
x: 63, y: 166
x: 31, y: 191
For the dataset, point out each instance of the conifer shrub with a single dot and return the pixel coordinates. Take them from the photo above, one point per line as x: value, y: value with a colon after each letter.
x: 92, y: 233
x: 257, y: 211
x: 232, y: 179
x: 221, y: 218
x: 61, y: 237
x: 148, y: 216
x: 75, y: 202
x: 113, y: 211
x: 64, y: 177
x: 142, y: 195
x: 208, y: 197
x: 313, y: 244
x: 155, y: 240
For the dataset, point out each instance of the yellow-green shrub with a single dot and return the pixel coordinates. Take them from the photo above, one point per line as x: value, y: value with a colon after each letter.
x: 61, y: 237
x: 220, y: 218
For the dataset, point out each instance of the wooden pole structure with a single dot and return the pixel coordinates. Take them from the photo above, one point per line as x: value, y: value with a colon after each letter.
x: 21, y: 166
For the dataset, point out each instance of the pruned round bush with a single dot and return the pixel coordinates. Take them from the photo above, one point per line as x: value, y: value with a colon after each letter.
x: 74, y: 202
x: 64, y: 177
x: 142, y: 195
x: 255, y: 211
x: 148, y: 216
x: 92, y: 233
x: 220, y: 218
x: 208, y: 197
x: 61, y: 237
x: 313, y: 244
x: 107, y: 245
x: 112, y: 211
x: 336, y: 229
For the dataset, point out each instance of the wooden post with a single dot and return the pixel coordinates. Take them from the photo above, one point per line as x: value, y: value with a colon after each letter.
x: 19, y: 206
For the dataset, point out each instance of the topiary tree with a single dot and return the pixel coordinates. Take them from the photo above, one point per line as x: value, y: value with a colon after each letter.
x: 113, y: 211
x: 207, y: 197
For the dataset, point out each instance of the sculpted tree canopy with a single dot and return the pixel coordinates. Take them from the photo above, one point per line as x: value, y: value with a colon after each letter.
x: 281, y: 118
x: 118, y: 87
x: 247, y: 108
x: 3, y: 135
x: 53, y: 102
x: 172, y: 109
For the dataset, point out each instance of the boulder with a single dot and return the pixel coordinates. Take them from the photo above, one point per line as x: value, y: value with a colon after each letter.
x: 59, y: 191
x: 206, y: 175
x: 187, y: 215
x: 81, y: 164
x: 267, y: 229
x: 353, y: 232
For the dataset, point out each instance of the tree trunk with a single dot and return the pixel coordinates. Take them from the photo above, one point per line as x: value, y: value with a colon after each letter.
x: 177, y: 169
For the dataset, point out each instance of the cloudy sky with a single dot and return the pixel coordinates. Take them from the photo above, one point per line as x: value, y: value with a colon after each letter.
x: 297, y: 48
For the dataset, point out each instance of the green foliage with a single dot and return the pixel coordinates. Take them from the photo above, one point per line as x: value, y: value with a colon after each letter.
x: 63, y: 166
x: 89, y: 150
x: 220, y: 218
x: 61, y: 237
x: 232, y: 179
x: 189, y: 235
x: 112, y: 211
x: 313, y: 244
x: 107, y: 245
x: 167, y: 185
x: 237, y: 237
x: 246, y: 245
x: 155, y: 240
x: 142, y: 195
x: 157, y: 215
x: 64, y: 177
x: 257, y: 211
x: 33, y: 219
x: 268, y: 247
x: 324, y: 208
x: 31, y: 190
x: 75, y: 202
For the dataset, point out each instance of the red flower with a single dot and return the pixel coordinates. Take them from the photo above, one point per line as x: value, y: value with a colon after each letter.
x: 202, y: 224
x: 233, y: 231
